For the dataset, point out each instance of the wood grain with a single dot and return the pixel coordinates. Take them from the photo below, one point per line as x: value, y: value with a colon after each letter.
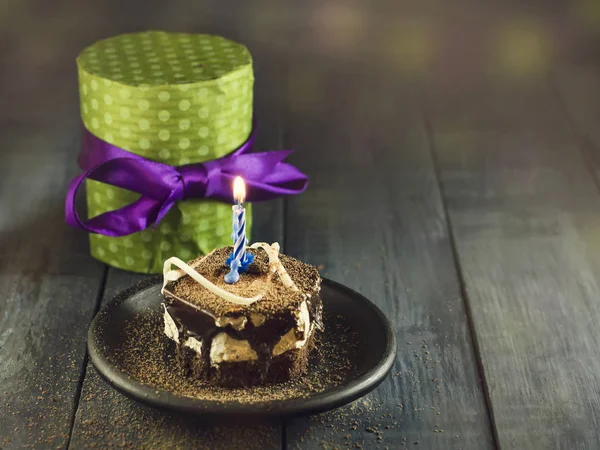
x: 48, y: 283
x: 373, y: 219
x: 524, y: 213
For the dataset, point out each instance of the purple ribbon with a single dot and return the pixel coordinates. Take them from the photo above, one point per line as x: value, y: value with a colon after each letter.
x: 161, y: 186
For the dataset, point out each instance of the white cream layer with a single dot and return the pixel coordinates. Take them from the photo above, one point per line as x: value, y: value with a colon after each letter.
x: 173, y: 333
x: 227, y: 349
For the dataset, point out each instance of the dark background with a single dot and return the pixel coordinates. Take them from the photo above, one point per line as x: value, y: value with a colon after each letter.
x: 453, y: 150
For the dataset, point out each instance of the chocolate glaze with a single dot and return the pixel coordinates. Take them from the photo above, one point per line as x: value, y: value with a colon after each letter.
x: 195, y: 322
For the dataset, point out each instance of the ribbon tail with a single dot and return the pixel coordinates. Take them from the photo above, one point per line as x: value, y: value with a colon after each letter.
x: 260, y: 192
x: 129, y: 219
x: 132, y: 218
x: 285, y: 174
x: 284, y: 179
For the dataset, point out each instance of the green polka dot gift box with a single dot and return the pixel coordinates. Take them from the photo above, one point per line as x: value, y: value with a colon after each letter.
x: 172, y: 98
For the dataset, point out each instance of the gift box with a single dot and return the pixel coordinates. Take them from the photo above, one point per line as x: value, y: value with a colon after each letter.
x: 172, y: 98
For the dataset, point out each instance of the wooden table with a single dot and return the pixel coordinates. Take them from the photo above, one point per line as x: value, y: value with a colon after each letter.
x: 454, y: 156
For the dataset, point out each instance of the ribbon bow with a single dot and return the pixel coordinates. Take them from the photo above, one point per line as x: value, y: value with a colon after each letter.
x: 161, y: 185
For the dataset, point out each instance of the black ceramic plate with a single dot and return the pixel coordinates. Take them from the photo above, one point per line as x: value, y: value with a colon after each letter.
x: 373, y: 343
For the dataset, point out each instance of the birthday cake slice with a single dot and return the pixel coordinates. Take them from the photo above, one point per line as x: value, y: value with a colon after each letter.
x: 260, y: 329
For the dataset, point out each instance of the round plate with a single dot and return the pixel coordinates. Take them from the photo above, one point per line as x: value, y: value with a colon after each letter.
x: 372, y: 357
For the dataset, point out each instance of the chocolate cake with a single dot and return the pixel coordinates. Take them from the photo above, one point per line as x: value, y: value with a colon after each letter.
x: 266, y: 339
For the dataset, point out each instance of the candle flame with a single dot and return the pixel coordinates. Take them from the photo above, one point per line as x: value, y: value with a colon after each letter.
x: 239, y: 190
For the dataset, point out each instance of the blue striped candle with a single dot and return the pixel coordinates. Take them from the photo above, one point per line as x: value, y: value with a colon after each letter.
x: 239, y: 246
x: 238, y: 259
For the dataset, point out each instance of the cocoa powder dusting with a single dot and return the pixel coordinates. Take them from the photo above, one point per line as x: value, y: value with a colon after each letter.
x: 253, y: 282
x: 148, y: 356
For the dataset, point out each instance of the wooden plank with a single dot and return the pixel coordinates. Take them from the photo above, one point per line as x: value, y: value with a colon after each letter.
x: 107, y: 419
x: 373, y: 219
x: 524, y: 213
x: 49, y: 284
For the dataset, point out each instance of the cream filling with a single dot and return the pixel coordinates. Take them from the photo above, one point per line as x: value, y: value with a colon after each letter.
x: 170, y: 326
x: 173, y: 333
x: 257, y: 319
x: 289, y: 341
x: 194, y: 344
x: 224, y: 348
x: 237, y: 323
